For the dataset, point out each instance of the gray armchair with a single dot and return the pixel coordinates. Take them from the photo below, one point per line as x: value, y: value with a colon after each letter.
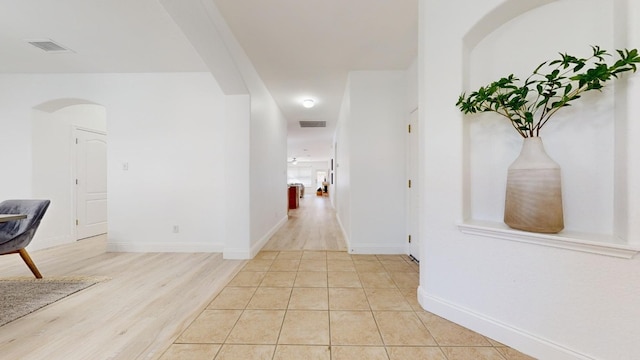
x: 17, y: 234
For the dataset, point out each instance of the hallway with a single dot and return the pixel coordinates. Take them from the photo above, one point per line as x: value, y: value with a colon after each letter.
x: 301, y: 298
x: 312, y: 226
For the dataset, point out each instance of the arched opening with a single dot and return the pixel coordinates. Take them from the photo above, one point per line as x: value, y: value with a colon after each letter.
x: 510, y: 40
x: 65, y: 133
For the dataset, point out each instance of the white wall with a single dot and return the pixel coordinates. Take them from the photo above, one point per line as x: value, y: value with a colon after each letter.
x: 373, y: 127
x: 169, y: 128
x: 53, y: 164
x: 259, y: 128
x: 341, y: 196
x: 548, y: 302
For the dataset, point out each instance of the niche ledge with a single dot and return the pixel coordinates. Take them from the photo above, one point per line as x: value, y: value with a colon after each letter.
x: 606, y: 245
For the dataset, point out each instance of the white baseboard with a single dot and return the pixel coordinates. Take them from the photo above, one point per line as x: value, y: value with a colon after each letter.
x: 244, y: 253
x: 255, y: 249
x: 377, y: 249
x: 176, y: 247
x: 236, y: 254
x: 509, y: 335
x: 39, y: 244
x: 344, y: 233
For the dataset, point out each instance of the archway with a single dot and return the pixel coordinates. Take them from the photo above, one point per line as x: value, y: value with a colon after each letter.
x: 55, y: 126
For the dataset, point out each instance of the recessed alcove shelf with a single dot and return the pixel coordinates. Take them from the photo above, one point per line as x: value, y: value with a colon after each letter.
x: 606, y: 245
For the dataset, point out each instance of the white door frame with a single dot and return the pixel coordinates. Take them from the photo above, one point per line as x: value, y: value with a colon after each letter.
x: 413, y: 193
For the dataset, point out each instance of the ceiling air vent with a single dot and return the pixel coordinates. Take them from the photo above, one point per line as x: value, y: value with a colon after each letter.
x: 49, y: 46
x: 306, y: 124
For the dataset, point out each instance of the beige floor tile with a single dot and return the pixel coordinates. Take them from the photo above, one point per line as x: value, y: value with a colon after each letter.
x: 314, y: 255
x: 267, y: 255
x: 448, y: 333
x: 340, y: 265
x: 311, y: 279
x: 403, y: 329
x: 211, y: 326
x: 376, y: 280
x: 285, y: 265
x: 289, y: 255
x: 405, y: 280
x: 345, y: 279
x: 190, y: 352
x: 247, y: 278
x: 309, y: 299
x: 246, y: 352
x: 232, y: 298
x: 472, y: 353
x: 512, y: 354
x: 348, y: 299
x: 422, y: 353
x: 368, y: 266
x: 279, y: 279
x: 270, y: 298
x: 303, y: 327
x: 338, y: 255
x: 386, y: 299
x: 358, y: 353
x: 396, y: 266
x: 495, y: 343
x: 411, y: 296
x: 257, y: 265
x: 301, y: 352
x: 354, y: 328
x: 313, y: 265
x: 257, y: 327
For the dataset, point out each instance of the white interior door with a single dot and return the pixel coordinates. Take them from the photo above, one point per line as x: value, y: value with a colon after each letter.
x: 413, y: 190
x: 91, y: 183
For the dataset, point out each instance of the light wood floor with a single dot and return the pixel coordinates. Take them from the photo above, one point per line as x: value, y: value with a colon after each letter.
x: 150, y: 299
x: 313, y: 226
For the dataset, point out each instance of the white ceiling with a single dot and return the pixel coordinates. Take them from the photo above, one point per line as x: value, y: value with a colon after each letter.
x: 300, y: 48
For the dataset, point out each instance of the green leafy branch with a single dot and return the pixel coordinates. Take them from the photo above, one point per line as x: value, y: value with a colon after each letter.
x: 552, y: 86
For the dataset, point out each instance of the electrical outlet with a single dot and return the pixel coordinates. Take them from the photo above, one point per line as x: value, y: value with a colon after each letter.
x: 176, y: 229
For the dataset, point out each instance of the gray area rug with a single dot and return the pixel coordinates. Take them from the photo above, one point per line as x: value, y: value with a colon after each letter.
x: 22, y: 296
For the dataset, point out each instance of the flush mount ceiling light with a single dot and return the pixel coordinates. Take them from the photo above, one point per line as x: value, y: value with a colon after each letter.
x: 308, y: 103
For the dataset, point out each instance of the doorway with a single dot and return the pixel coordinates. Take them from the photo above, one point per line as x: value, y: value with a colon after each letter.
x: 90, y: 183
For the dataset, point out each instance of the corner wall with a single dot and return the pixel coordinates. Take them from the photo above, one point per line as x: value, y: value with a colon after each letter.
x: 371, y: 204
x: 262, y: 143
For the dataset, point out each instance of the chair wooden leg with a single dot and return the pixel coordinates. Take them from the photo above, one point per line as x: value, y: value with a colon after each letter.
x: 32, y: 266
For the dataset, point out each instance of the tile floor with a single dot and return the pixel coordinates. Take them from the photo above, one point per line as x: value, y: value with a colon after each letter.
x: 327, y: 305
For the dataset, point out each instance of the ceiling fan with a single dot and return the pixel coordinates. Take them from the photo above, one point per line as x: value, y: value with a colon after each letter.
x: 293, y: 161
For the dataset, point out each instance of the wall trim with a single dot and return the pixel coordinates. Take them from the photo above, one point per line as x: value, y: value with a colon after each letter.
x: 255, y: 249
x: 164, y: 247
x: 378, y: 249
x: 589, y: 243
x: 49, y: 242
x: 344, y: 233
x: 507, y: 334
x: 236, y: 254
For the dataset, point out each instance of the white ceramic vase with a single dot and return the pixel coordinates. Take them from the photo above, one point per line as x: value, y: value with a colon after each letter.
x: 534, y: 191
